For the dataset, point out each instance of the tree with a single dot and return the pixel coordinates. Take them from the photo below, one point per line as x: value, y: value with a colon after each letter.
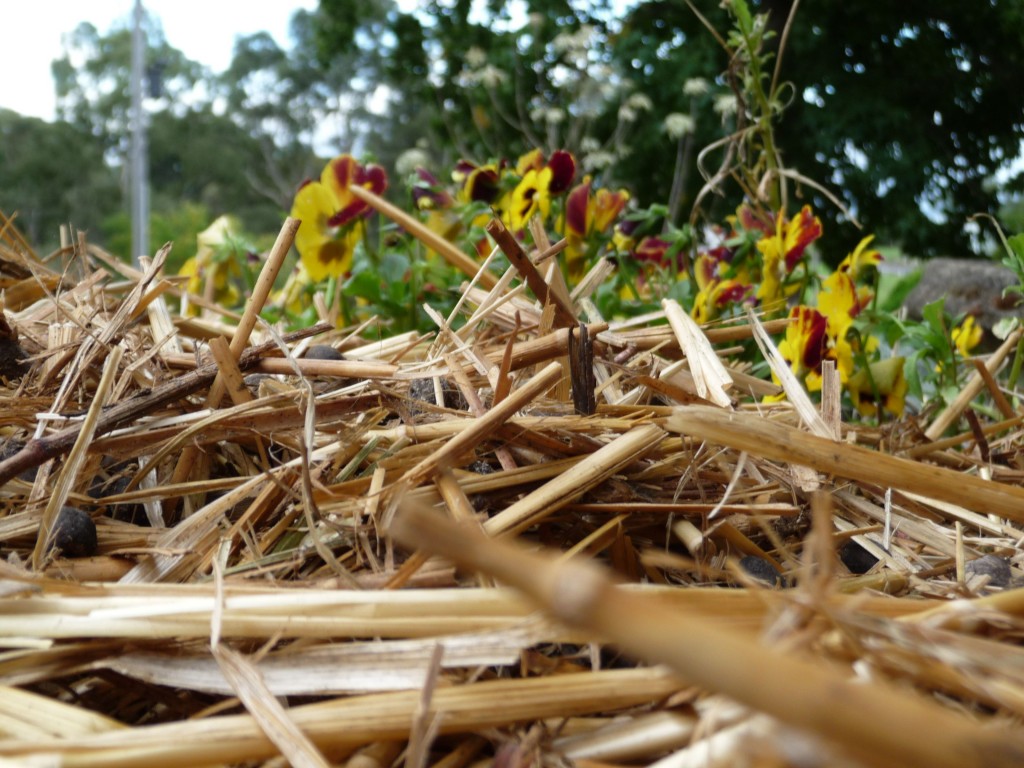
x: 284, y: 100
x: 93, y: 80
x: 482, y: 87
x: 53, y: 174
x: 910, y: 107
x: 200, y: 154
x: 906, y: 110
x: 206, y: 158
x: 380, y: 62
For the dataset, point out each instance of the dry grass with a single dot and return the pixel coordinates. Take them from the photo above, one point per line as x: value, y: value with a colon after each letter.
x: 320, y: 567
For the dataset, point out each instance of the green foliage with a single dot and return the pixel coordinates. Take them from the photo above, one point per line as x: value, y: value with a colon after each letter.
x: 178, y: 225
x: 1014, y: 259
x: 394, y: 285
x: 905, y: 110
x: 94, y: 75
x: 245, y: 161
x: 905, y: 107
x: 53, y: 174
x: 205, y: 158
x: 933, y: 360
x: 894, y: 289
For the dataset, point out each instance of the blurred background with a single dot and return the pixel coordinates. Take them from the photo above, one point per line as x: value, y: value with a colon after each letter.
x: 911, y: 113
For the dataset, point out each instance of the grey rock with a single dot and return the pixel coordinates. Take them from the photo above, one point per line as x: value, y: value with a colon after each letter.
x: 971, y: 287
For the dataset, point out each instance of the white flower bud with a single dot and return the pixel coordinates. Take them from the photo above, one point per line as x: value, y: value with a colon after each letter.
x: 678, y: 125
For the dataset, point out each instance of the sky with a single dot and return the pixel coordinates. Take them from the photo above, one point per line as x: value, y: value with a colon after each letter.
x: 204, y: 30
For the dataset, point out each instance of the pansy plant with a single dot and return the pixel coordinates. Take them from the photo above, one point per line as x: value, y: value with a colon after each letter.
x: 333, y: 219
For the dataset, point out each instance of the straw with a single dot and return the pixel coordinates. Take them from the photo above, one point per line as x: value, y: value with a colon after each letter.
x: 904, y: 728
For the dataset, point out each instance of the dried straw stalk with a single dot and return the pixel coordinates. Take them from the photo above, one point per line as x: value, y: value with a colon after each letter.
x: 424, y: 234
x: 901, y: 728
x: 340, y: 725
x: 747, y: 432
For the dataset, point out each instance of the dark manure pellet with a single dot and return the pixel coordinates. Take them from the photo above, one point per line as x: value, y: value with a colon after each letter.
x: 322, y: 352
x: 996, y: 568
x: 423, y: 389
x: 74, y: 533
x: 13, y: 358
x: 762, y: 570
x: 9, y: 448
x: 856, y: 558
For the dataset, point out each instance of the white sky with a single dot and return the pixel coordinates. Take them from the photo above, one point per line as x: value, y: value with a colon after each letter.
x: 204, y: 30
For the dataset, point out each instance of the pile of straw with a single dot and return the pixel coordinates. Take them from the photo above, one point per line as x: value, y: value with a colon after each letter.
x: 544, y: 537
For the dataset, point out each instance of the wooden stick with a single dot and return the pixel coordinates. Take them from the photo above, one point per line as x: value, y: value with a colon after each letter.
x: 564, y: 315
x: 354, y: 721
x: 993, y: 389
x: 539, y: 350
x: 230, y: 373
x: 261, y: 291
x: 709, y: 375
x: 648, y: 337
x: 816, y: 697
x: 347, y: 369
x: 745, y: 432
x: 76, y: 457
x: 425, y: 235
x: 920, y: 451
x: 253, y: 307
x: 278, y: 415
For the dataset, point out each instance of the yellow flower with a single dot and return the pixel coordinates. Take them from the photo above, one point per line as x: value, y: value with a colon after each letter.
x: 607, y: 206
x: 529, y: 197
x: 538, y: 184
x: 532, y: 160
x: 810, y: 340
x: 861, y: 258
x: 586, y: 214
x: 477, y: 183
x: 889, y: 382
x: 292, y: 296
x: 710, y: 299
x: 967, y: 336
x: 782, y: 251
x: 208, y: 275
x: 806, y: 342
x: 332, y: 217
x: 839, y: 302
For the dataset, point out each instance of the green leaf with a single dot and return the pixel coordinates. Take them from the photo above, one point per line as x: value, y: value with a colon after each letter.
x: 1016, y: 244
x: 894, y: 289
x: 949, y: 393
x: 365, y: 285
x: 934, y: 315
x: 743, y: 18
x: 1004, y: 327
x: 912, y: 372
x: 394, y: 268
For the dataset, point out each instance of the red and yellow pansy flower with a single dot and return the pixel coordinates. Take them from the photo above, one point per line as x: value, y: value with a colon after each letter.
x: 333, y: 219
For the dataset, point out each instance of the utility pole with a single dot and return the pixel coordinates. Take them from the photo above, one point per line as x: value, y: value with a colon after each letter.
x: 138, y: 163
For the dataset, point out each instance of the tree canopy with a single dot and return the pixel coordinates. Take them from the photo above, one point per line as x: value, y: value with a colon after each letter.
x: 908, y: 112
x: 905, y: 110
x: 232, y: 143
x: 50, y: 170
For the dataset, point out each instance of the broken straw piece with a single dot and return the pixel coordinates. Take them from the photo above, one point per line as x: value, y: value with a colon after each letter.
x: 709, y: 375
